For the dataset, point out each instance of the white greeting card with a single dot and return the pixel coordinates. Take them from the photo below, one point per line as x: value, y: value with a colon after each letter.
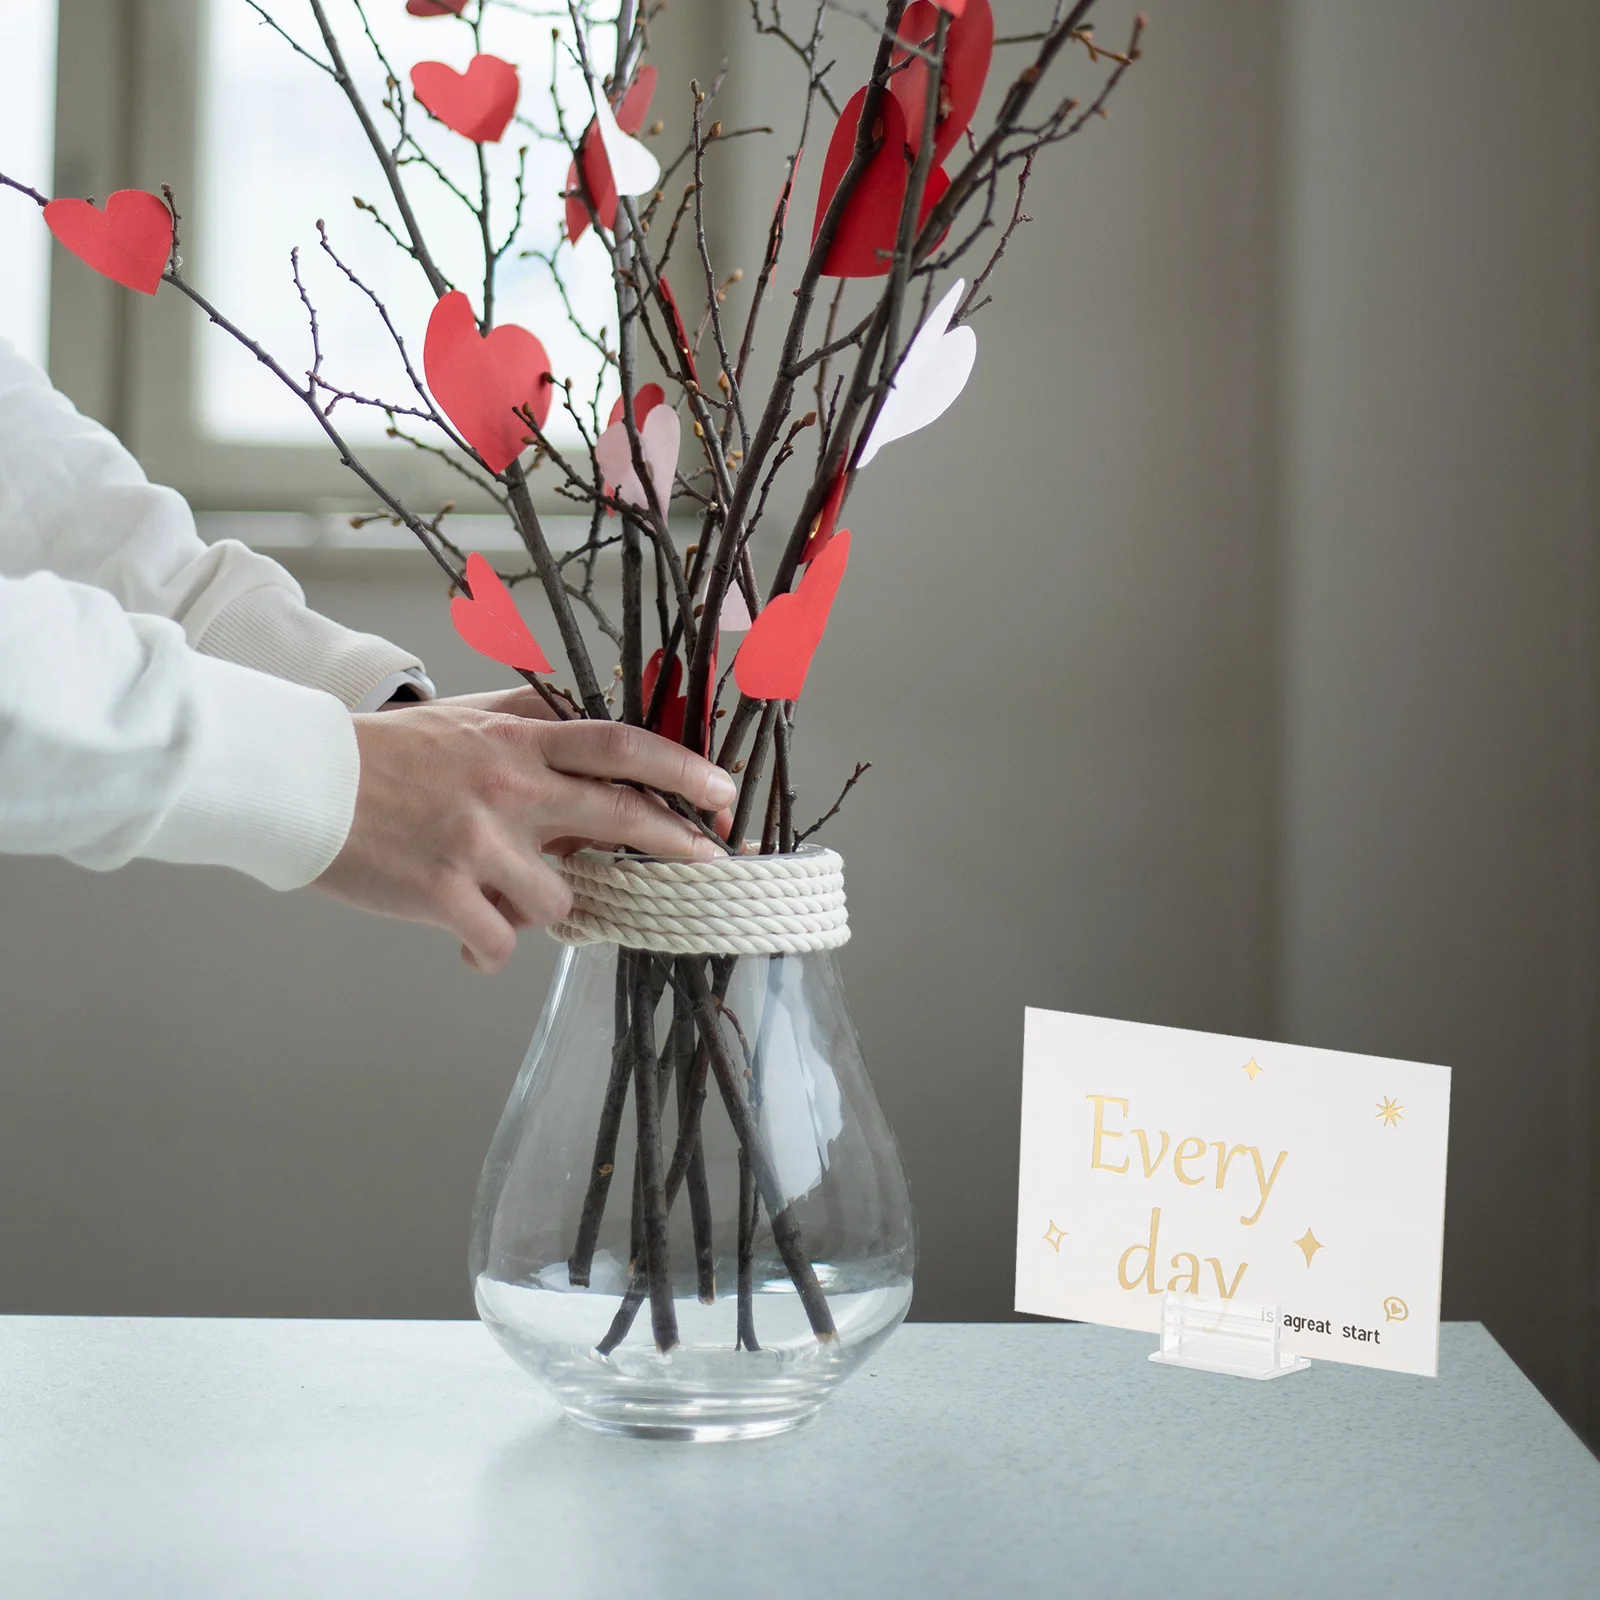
x: 1157, y: 1159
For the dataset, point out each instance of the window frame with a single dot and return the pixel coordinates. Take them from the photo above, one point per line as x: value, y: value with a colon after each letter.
x: 127, y: 116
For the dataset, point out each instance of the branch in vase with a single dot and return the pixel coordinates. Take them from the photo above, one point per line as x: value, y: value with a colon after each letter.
x: 862, y: 768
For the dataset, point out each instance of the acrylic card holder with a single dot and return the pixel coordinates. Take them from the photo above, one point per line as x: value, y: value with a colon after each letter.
x: 1209, y: 1334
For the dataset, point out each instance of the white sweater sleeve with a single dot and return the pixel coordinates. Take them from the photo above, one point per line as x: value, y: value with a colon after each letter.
x: 159, y: 697
x: 74, y: 502
x: 117, y: 740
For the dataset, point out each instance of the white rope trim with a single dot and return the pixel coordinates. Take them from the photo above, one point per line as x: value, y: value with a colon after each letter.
x: 734, y: 906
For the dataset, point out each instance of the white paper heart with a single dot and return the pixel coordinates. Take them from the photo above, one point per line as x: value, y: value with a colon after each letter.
x: 735, y: 614
x: 633, y: 169
x: 934, y: 372
x: 659, y: 440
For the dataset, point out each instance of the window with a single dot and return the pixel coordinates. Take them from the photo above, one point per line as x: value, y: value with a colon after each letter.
x: 258, y: 145
x: 27, y: 119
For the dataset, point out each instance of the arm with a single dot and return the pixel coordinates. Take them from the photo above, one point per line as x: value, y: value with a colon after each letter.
x: 117, y: 740
x: 74, y: 502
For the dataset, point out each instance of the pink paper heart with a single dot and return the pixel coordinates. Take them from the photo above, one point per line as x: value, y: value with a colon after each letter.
x: 477, y: 103
x: 481, y: 380
x: 660, y: 437
x: 128, y: 242
x: 490, y: 622
x: 775, y: 657
x: 436, y: 8
x: 735, y: 614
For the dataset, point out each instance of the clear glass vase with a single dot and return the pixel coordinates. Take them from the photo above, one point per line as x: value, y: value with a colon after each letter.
x: 778, y: 1252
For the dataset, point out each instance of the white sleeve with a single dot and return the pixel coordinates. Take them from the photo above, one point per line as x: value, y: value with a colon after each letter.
x: 117, y: 740
x: 74, y: 502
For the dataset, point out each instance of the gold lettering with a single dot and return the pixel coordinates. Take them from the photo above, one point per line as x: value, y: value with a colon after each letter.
x: 1101, y: 1101
x: 1185, y: 1153
x: 1227, y: 1291
x: 1144, y: 1151
x: 1191, y: 1284
x: 1148, y: 1276
x: 1224, y: 1160
x: 1264, y: 1182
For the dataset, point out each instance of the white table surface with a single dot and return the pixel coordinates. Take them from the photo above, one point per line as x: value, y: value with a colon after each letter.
x: 179, y: 1458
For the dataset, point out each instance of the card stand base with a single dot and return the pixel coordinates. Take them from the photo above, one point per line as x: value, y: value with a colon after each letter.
x: 1209, y: 1334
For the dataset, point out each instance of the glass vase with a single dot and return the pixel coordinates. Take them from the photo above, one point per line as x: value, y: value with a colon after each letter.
x: 693, y: 1221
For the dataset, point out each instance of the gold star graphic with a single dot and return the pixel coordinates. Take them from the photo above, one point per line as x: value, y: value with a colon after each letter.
x: 1390, y: 1111
x: 1053, y: 1237
x: 1310, y: 1244
x: 1251, y: 1069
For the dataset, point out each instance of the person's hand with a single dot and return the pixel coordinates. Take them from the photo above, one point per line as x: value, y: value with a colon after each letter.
x: 456, y: 805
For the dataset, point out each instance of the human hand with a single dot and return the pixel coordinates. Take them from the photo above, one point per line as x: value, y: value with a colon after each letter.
x: 456, y: 805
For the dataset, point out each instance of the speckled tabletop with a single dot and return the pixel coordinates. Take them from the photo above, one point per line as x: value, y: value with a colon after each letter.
x: 179, y: 1458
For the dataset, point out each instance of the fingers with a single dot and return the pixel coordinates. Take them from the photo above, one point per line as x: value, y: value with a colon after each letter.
x: 615, y: 750
x: 488, y: 940
x: 530, y: 893
x: 610, y: 814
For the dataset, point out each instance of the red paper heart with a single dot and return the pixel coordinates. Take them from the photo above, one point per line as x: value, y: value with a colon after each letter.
x: 635, y: 107
x: 827, y: 519
x: 645, y: 400
x: 129, y: 242
x: 476, y: 103
x: 968, y: 46
x: 776, y: 654
x: 436, y: 8
x: 481, y: 380
x: 679, y: 335
x: 674, y: 706
x: 863, y: 243
x: 490, y: 622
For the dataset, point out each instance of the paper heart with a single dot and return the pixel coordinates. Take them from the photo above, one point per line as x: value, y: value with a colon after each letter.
x: 827, y: 518
x: 863, y: 242
x: 633, y: 169
x: 660, y: 436
x: 489, y: 620
x: 436, y: 8
x: 477, y: 103
x: 776, y: 654
x: 968, y: 47
x: 481, y: 380
x: 129, y: 242
x: 734, y: 616
x: 679, y: 335
x: 631, y: 112
x: 935, y: 370
x: 675, y: 706
x: 645, y: 400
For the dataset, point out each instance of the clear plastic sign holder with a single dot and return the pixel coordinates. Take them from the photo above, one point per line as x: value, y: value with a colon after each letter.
x: 1210, y: 1334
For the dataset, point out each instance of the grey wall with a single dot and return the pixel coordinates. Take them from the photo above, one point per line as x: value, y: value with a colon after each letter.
x: 1230, y: 653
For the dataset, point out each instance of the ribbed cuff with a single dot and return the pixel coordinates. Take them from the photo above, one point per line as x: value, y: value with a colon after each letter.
x: 272, y: 787
x: 269, y: 629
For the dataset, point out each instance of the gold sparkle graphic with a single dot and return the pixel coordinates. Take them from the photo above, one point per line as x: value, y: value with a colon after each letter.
x: 1390, y: 1111
x: 1251, y: 1070
x: 1053, y: 1237
x: 1309, y: 1245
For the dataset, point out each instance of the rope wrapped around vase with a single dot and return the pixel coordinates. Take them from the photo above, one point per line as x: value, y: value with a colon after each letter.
x: 735, y: 906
